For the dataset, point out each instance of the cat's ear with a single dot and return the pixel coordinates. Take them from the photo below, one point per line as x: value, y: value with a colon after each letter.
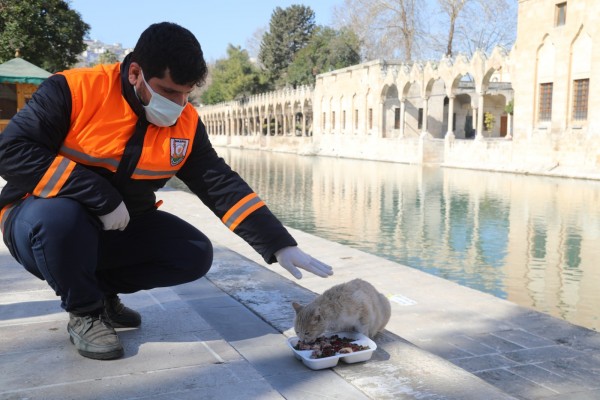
x: 297, y: 307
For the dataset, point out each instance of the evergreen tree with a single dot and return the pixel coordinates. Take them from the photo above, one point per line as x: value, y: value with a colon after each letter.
x: 46, y: 33
x: 290, y: 30
x: 327, y: 50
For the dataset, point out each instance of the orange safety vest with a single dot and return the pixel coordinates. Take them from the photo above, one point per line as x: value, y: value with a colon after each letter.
x: 101, y: 124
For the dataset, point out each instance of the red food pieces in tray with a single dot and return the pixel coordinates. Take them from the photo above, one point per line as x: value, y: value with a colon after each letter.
x: 330, y: 346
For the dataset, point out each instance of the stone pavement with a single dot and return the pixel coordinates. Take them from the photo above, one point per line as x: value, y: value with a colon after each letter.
x: 224, y: 336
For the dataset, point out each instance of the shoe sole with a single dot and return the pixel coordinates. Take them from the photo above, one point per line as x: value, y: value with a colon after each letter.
x: 124, y: 325
x: 108, y: 355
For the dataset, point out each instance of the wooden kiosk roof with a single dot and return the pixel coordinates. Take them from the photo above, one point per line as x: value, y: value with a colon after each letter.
x: 18, y: 70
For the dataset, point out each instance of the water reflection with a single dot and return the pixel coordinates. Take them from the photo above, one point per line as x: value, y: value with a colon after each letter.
x: 531, y: 240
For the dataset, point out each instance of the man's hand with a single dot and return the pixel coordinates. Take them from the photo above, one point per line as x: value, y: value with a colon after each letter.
x: 292, y: 258
x: 117, y: 219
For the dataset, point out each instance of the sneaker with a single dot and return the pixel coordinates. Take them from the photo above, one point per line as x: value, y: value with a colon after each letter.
x: 94, y: 337
x: 118, y: 315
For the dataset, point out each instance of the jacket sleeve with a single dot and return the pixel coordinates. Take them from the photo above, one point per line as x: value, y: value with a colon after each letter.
x: 232, y: 200
x: 29, y: 152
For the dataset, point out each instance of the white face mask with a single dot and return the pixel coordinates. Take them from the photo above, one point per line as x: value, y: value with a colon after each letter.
x: 161, y: 111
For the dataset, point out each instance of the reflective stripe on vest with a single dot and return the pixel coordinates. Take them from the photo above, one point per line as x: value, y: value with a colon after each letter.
x: 54, y: 178
x: 241, y: 210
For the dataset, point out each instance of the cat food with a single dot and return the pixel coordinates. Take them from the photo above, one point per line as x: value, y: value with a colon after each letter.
x: 350, y: 347
x: 330, y: 346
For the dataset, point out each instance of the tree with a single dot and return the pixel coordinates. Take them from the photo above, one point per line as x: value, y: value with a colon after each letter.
x: 327, y: 50
x: 108, y: 57
x: 394, y: 29
x: 488, y: 24
x: 253, y: 43
x: 233, y: 77
x: 290, y: 30
x: 452, y: 8
x: 386, y: 28
x: 47, y: 33
x: 475, y: 24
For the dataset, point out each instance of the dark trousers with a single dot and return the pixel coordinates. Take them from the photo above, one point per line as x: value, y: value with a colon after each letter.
x: 59, y: 241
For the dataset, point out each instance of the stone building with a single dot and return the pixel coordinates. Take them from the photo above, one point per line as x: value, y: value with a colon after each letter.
x: 403, y: 112
x: 457, y: 112
x: 558, y: 81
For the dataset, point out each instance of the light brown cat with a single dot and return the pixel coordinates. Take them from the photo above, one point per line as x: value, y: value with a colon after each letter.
x: 352, y: 306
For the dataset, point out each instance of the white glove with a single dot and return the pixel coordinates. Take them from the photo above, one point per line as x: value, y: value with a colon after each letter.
x: 292, y: 258
x: 116, y: 219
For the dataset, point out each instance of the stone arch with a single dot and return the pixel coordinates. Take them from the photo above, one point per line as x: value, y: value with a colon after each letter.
x: 545, y: 60
x: 288, y: 117
x: 494, y: 106
x: 344, y: 107
x: 496, y: 93
x: 581, y: 53
x: 369, y: 112
x: 330, y: 117
x: 307, y: 113
x: 462, y: 88
x: 580, y: 59
x: 390, y: 101
x: 437, y: 107
x: 355, y: 114
x: 413, y: 117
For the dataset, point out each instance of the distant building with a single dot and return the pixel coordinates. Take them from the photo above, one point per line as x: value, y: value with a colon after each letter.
x: 95, y: 48
x: 557, y: 87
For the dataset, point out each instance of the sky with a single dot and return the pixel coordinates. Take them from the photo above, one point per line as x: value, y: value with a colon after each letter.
x: 216, y: 23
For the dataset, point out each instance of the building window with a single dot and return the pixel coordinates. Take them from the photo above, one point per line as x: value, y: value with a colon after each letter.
x: 370, y: 118
x: 355, y: 119
x: 396, y: 118
x: 344, y: 119
x: 420, y: 119
x: 324, y: 120
x: 545, y: 111
x: 333, y: 120
x: 561, y: 14
x: 580, y: 99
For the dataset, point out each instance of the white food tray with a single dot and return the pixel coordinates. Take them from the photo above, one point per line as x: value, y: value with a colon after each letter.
x: 329, y: 362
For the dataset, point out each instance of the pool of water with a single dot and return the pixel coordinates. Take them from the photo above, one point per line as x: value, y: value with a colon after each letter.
x: 531, y: 240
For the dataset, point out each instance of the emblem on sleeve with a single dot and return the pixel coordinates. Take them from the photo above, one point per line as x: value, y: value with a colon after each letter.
x: 178, y: 150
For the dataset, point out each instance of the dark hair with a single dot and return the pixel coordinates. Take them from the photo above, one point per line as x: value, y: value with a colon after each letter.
x: 166, y: 45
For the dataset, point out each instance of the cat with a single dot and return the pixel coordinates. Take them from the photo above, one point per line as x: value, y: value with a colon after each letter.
x: 352, y: 306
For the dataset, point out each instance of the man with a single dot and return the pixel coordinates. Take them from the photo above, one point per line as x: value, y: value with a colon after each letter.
x: 82, y: 162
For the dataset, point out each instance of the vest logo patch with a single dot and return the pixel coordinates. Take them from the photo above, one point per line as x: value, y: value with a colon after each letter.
x: 178, y: 150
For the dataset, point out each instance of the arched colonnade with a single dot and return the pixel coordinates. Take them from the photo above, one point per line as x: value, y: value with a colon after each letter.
x: 286, y: 112
x: 397, y: 100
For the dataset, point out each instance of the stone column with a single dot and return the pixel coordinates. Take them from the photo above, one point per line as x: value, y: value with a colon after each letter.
x: 383, y: 128
x: 509, y: 126
x: 481, y: 116
x: 450, y: 134
x: 475, y: 120
x: 304, y: 133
